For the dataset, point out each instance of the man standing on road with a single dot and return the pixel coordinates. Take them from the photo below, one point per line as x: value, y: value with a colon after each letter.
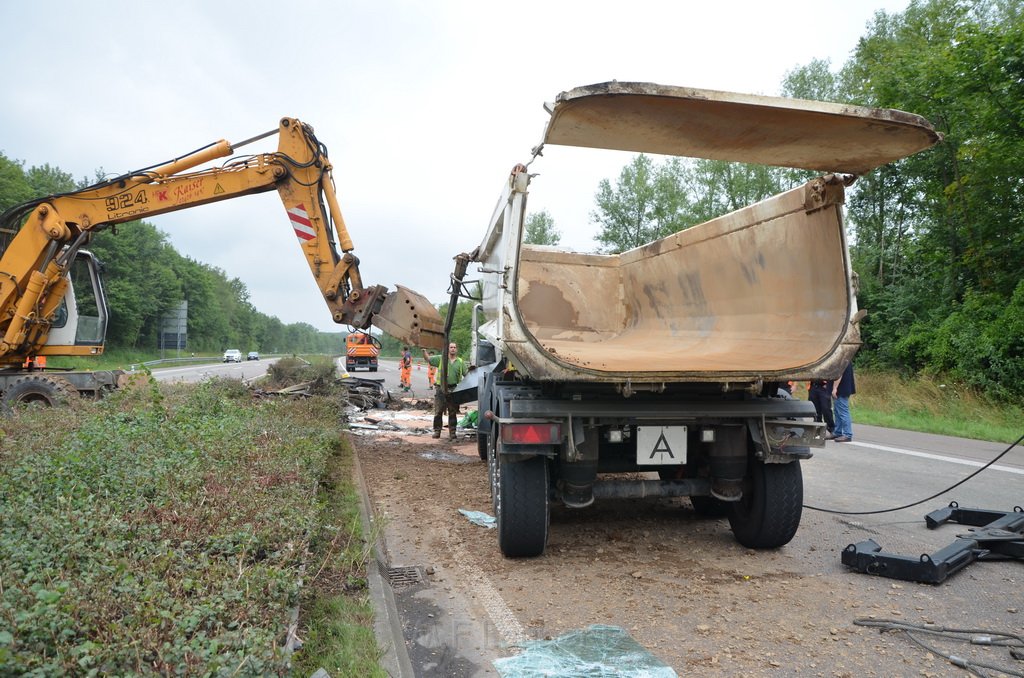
x: 820, y: 393
x: 841, y: 392
x: 443, y: 400
x: 405, y: 370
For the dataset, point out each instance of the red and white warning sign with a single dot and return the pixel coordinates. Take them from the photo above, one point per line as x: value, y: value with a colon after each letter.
x: 300, y: 222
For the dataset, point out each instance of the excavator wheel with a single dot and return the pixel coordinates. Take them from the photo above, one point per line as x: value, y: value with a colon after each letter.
x: 39, y: 390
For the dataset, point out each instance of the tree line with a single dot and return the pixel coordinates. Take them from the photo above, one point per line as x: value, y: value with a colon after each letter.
x: 937, y: 238
x: 145, y: 278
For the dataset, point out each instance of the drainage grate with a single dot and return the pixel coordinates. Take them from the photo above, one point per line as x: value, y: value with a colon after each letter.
x: 401, y: 577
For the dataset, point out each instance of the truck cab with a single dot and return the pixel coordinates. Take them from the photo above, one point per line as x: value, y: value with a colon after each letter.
x: 361, y: 351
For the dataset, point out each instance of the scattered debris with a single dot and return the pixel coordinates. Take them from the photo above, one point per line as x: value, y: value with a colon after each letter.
x: 974, y: 637
x: 454, y: 457
x: 299, y: 390
x: 366, y: 393
x: 479, y: 518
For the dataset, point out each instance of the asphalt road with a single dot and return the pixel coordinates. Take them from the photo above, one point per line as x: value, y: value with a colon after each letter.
x: 188, y: 373
x: 387, y: 369
x: 885, y: 468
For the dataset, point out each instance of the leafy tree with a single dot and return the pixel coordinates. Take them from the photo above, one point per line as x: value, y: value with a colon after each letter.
x: 207, y: 323
x: 646, y: 204
x: 14, y: 186
x: 47, y: 180
x: 651, y: 201
x: 140, y: 282
x: 540, y: 229
x: 626, y: 213
x: 717, y: 187
x: 814, y: 81
x: 938, y: 234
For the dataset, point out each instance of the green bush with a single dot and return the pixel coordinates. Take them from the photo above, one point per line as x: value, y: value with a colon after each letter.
x: 157, y: 531
x: 981, y: 343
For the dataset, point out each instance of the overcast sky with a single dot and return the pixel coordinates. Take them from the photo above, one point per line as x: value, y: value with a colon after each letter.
x: 424, y: 107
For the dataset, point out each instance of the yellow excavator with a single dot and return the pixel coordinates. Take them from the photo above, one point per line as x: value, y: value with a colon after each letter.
x: 51, y: 293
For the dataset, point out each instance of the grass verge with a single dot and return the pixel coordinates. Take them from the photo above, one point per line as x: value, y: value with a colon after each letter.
x: 934, y: 406
x: 167, y: 530
x: 337, y: 619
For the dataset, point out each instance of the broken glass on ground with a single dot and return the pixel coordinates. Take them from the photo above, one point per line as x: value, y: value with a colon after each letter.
x: 598, y: 651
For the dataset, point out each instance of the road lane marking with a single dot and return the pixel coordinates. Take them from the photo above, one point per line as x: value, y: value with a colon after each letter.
x: 938, y: 457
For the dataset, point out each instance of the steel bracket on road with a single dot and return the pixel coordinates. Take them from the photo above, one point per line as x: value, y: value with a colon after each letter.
x: 1000, y: 536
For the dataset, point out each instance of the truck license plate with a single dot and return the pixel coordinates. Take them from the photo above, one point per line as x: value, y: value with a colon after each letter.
x: 660, y: 445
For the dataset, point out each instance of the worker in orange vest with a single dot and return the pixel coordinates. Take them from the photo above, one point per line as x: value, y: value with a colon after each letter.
x: 431, y: 370
x: 405, y: 370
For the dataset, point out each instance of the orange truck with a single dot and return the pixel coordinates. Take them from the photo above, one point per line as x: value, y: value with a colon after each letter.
x: 361, y: 350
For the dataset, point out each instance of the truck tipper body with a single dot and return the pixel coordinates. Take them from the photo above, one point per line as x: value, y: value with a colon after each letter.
x: 655, y: 372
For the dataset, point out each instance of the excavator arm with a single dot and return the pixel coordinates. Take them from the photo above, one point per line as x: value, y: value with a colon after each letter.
x: 45, y: 235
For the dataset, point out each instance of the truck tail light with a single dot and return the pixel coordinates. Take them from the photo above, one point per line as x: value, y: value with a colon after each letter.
x: 531, y: 434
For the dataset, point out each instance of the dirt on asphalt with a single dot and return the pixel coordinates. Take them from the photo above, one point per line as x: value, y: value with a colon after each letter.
x: 677, y: 583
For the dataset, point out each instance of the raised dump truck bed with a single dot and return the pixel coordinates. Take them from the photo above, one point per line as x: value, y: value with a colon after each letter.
x: 666, y: 358
x: 733, y: 299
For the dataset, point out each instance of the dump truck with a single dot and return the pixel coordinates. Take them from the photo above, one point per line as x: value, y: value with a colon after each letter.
x: 655, y: 372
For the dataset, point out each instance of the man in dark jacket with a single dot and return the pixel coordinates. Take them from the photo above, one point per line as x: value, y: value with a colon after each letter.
x: 844, y: 387
x: 819, y: 392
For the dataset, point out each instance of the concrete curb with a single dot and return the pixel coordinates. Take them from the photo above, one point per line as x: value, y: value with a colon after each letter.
x: 387, y: 625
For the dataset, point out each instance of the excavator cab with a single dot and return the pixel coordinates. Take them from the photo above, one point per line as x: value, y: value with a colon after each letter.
x: 80, y: 322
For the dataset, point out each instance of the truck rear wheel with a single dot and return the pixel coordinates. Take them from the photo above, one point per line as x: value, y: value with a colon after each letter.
x: 522, y: 493
x: 769, y: 513
x: 39, y: 391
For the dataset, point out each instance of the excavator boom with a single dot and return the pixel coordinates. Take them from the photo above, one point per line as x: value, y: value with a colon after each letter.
x: 40, y: 239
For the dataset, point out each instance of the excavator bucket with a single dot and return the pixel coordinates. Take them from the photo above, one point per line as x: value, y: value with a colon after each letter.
x: 409, y: 317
